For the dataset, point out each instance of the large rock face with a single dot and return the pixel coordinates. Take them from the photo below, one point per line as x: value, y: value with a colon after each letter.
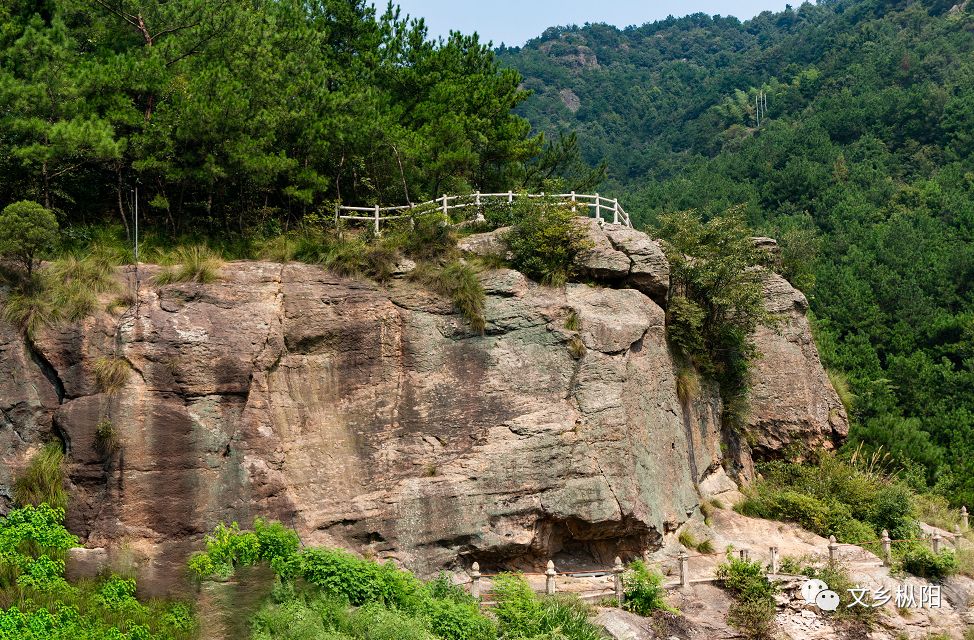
x: 373, y: 417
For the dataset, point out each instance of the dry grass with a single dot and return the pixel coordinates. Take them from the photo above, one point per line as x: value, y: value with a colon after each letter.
x: 572, y: 321
x: 687, y: 384
x: 576, y: 347
x: 111, y: 373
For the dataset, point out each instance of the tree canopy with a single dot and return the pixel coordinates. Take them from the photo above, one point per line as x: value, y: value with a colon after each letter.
x: 234, y: 115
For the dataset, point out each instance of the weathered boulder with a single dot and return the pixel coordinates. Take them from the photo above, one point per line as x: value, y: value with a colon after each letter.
x: 619, y: 256
x: 792, y: 400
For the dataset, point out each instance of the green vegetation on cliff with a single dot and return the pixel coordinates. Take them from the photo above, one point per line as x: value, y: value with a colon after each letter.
x: 862, y: 167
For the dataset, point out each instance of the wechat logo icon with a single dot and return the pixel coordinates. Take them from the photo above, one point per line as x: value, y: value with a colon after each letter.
x: 818, y: 593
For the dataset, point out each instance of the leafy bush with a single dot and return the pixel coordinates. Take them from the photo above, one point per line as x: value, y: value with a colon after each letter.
x: 521, y: 613
x: 921, y: 561
x: 754, y: 610
x: 642, y: 589
x: 545, y: 242
x: 716, y: 299
x: 42, y: 482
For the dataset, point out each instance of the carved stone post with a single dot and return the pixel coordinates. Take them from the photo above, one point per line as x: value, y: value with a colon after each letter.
x: 574, y: 206
x: 475, y: 580
x: 886, y: 547
x: 549, y: 582
x: 684, y: 568
x: 615, y: 211
x: 964, y: 522
x: 935, y: 542
x: 617, y: 570
x: 480, y: 214
x: 745, y: 555
x: 774, y: 560
x: 833, y: 550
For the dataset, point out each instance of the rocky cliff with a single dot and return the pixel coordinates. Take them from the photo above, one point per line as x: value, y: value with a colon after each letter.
x: 371, y: 417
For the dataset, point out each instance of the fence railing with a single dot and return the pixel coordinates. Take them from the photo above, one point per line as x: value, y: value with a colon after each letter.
x: 587, y: 205
x: 686, y: 578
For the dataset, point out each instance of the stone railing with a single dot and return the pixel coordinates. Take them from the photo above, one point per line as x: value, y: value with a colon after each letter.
x: 594, y: 205
x: 686, y: 578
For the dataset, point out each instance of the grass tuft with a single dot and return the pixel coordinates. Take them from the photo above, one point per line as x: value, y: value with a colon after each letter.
x: 572, y: 321
x: 576, y: 347
x: 194, y: 263
x: 43, y: 479
x: 106, y: 438
x: 687, y: 384
x: 458, y: 281
x: 111, y: 373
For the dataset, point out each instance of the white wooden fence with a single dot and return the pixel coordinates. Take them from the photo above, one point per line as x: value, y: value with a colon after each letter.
x: 594, y: 205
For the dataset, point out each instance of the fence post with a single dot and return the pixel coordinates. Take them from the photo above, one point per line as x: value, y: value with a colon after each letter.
x: 338, y: 208
x: 445, y: 211
x: 549, y: 582
x: 774, y: 560
x: 574, y: 206
x: 964, y: 523
x: 957, y: 533
x: 886, y: 544
x: 376, y: 219
x: 617, y: 570
x: 684, y: 568
x: 475, y: 580
x: 480, y: 214
x: 598, y: 208
x: 833, y: 549
x: 935, y: 543
x: 615, y: 211
x: 745, y: 556
x: 510, y: 197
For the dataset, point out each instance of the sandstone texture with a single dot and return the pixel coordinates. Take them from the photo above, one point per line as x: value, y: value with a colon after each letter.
x: 791, y: 402
x: 372, y: 417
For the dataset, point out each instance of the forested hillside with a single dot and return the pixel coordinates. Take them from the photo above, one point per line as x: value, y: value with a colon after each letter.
x: 862, y: 166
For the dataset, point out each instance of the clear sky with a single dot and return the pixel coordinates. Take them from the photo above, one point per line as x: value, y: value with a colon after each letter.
x: 515, y: 21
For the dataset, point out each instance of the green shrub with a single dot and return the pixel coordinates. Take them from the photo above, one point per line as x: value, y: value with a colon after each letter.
x: 546, y: 241
x: 27, y: 232
x: 643, y: 589
x: 754, y: 608
x: 521, y: 613
x: 832, y: 496
x: 106, y: 438
x: 921, y: 561
x: 42, y: 482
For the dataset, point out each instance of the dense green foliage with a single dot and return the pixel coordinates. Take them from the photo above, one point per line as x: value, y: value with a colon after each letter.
x: 328, y: 593
x: 37, y: 603
x: 715, y: 302
x: 862, y: 167
x: 27, y: 232
x: 245, y: 116
x: 834, y: 497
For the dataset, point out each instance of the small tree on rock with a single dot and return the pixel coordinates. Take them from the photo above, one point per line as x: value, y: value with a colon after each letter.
x: 27, y: 231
